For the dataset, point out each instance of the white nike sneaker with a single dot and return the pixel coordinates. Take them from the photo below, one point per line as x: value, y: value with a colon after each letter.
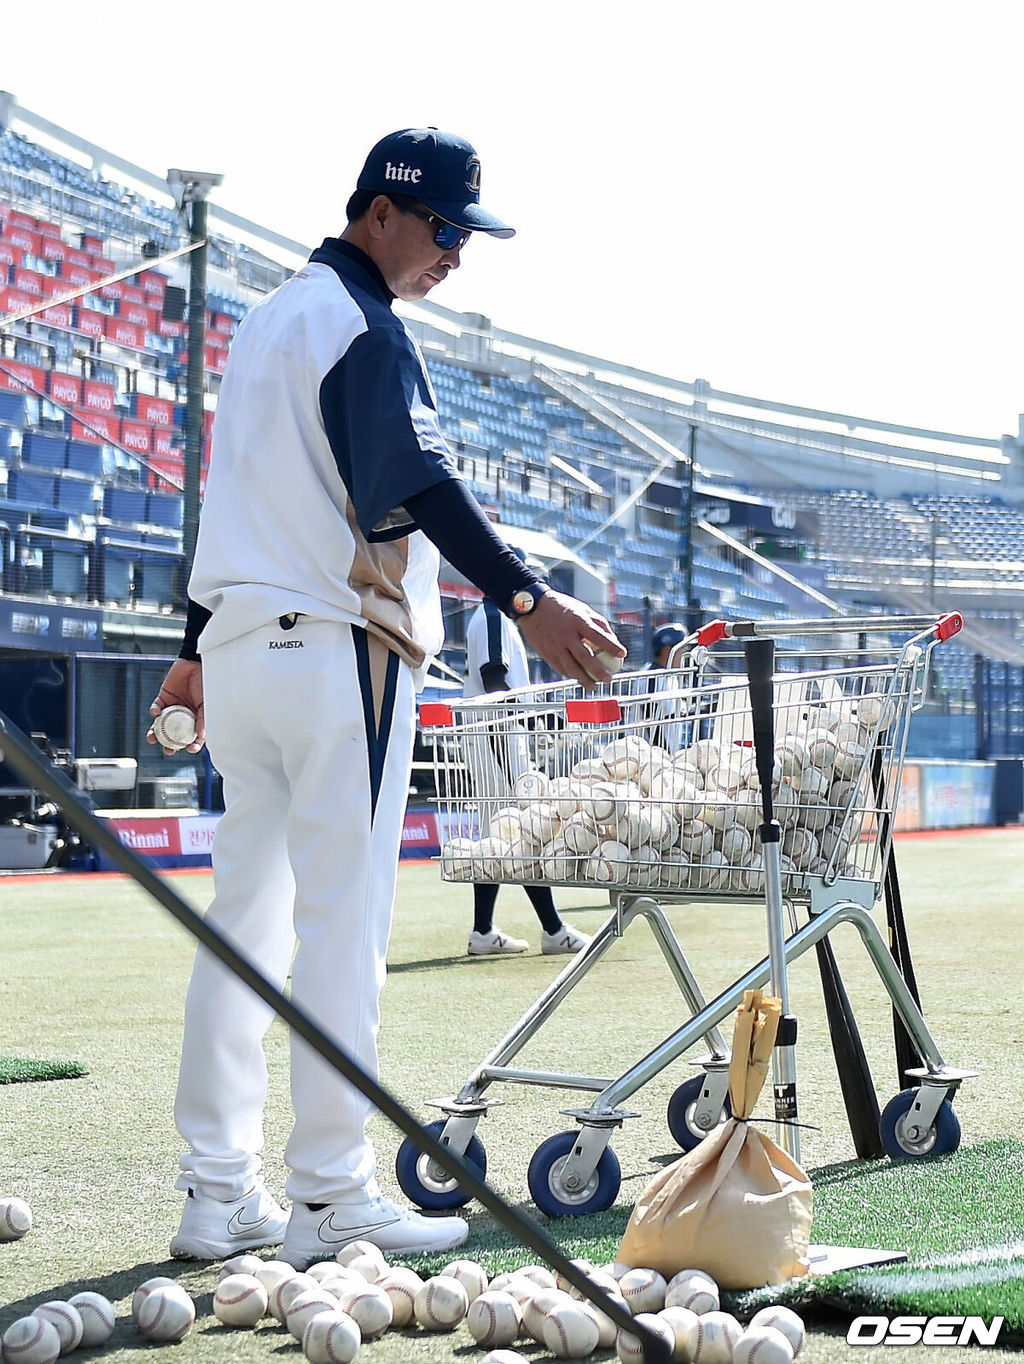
x: 318, y: 1231
x: 494, y: 944
x: 212, y: 1230
x: 564, y: 942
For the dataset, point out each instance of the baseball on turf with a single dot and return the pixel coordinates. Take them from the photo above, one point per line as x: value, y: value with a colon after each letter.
x: 644, y: 1290
x: 783, y: 1319
x: 368, y: 1267
x: 284, y: 1290
x: 305, y: 1306
x: 66, y: 1320
x: 494, y: 1319
x: 441, y: 1304
x: 681, y: 1321
x: 401, y: 1285
x: 630, y: 1348
x: 607, y: 1328
x: 167, y: 1313
x: 31, y: 1340
x: 572, y: 1330
x: 762, y: 1345
x: 331, y: 1338
x: 694, y: 1289
x: 98, y: 1317
x: 148, y: 1286
x: 504, y: 1357
x: 535, y: 1310
x: 271, y: 1273
x: 174, y: 727
x: 370, y: 1308
x: 538, y: 1274
x: 348, y: 1253
x: 714, y: 1338
x: 239, y: 1300
x: 15, y: 1219
x: 240, y: 1264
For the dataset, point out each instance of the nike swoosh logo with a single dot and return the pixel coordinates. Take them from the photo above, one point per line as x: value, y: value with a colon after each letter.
x: 339, y: 1235
x: 238, y: 1227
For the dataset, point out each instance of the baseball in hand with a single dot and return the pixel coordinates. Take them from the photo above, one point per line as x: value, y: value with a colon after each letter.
x: 610, y: 662
x: 174, y: 727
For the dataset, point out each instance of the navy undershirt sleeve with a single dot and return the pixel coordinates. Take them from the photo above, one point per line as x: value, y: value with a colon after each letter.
x: 450, y: 516
x: 195, y: 623
x: 382, y: 426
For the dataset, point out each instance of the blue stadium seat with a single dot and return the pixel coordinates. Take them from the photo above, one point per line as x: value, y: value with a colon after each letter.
x: 76, y: 495
x: 157, y: 575
x: 85, y: 458
x: 50, y: 452
x: 18, y: 409
x: 23, y: 486
x: 124, y: 504
x: 164, y: 509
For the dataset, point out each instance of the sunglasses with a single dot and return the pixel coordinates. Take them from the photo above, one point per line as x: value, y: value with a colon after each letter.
x: 446, y: 235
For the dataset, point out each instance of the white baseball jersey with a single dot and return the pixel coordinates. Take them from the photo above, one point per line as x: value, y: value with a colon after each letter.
x: 327, y: 421
x: 493, y: 640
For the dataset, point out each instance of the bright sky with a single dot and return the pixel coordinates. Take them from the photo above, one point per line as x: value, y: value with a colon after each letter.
x: 817, y: 203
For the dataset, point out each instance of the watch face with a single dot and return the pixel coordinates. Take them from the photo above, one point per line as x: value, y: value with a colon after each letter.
x: 523, y: 602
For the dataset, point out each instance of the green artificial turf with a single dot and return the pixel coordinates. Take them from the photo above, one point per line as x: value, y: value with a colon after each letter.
x: 16, y: 1070
x: 97, y: 1159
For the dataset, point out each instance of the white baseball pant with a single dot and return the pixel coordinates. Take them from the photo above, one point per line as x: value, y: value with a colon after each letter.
x: 311, y: 726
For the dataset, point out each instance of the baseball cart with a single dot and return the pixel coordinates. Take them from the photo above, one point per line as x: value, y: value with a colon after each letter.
x: 654, y: 788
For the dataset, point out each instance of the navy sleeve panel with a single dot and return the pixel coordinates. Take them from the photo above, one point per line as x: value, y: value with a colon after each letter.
x: 382, y: 425
x: 494, y: 679
x: 195, y: 623
x: 495, y: 645
x: 450, y: 516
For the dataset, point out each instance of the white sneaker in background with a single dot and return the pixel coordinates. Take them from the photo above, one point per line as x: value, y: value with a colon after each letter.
x: 564, y: 942
x: 494, y: 944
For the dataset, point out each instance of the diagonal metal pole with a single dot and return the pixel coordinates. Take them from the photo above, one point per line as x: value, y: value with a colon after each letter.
x: 36, y: 771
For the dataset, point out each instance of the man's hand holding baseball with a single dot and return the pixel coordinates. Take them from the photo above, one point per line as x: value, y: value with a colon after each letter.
x: 183, y: 686
x: 568, y: 634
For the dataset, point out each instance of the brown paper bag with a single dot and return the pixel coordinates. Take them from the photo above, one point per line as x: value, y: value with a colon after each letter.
x: 736, y: 1206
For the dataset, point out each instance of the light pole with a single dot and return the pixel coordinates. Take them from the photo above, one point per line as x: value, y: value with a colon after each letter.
x: 192, y: 188
x: 686, y: 532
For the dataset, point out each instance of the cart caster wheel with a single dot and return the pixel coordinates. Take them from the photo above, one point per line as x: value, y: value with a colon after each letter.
x: 680, y: 1113
x: 551, y: 1195
x: 900, y: 1144
x: 428, y: 1186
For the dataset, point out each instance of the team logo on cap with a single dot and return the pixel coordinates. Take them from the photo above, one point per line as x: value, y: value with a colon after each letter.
x: 473, y: 174
x: 402, y: 172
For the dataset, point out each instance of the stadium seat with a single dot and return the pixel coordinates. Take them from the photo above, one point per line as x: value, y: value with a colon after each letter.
x: 124, y: 504
x: 23, y: 486
x: 49, y: 452
x: 163, y: 509
x: 76, y: 495
x: 85, y: 458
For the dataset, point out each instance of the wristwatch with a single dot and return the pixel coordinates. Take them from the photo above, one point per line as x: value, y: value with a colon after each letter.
x: 524, y: 602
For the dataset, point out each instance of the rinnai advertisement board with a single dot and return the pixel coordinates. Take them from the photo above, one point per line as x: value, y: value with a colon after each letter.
x: 171, y: 840
x: 957, y: 795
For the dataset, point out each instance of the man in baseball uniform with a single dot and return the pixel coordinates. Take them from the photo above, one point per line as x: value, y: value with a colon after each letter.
x: 496, y: 661
x: 314, y: 613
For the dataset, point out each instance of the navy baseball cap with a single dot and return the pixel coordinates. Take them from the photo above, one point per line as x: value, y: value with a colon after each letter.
x: 439, y: 169
x: 667, y: 636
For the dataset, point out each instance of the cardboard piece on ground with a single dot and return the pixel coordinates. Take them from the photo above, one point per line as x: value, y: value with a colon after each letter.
x: 831, y: 1259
